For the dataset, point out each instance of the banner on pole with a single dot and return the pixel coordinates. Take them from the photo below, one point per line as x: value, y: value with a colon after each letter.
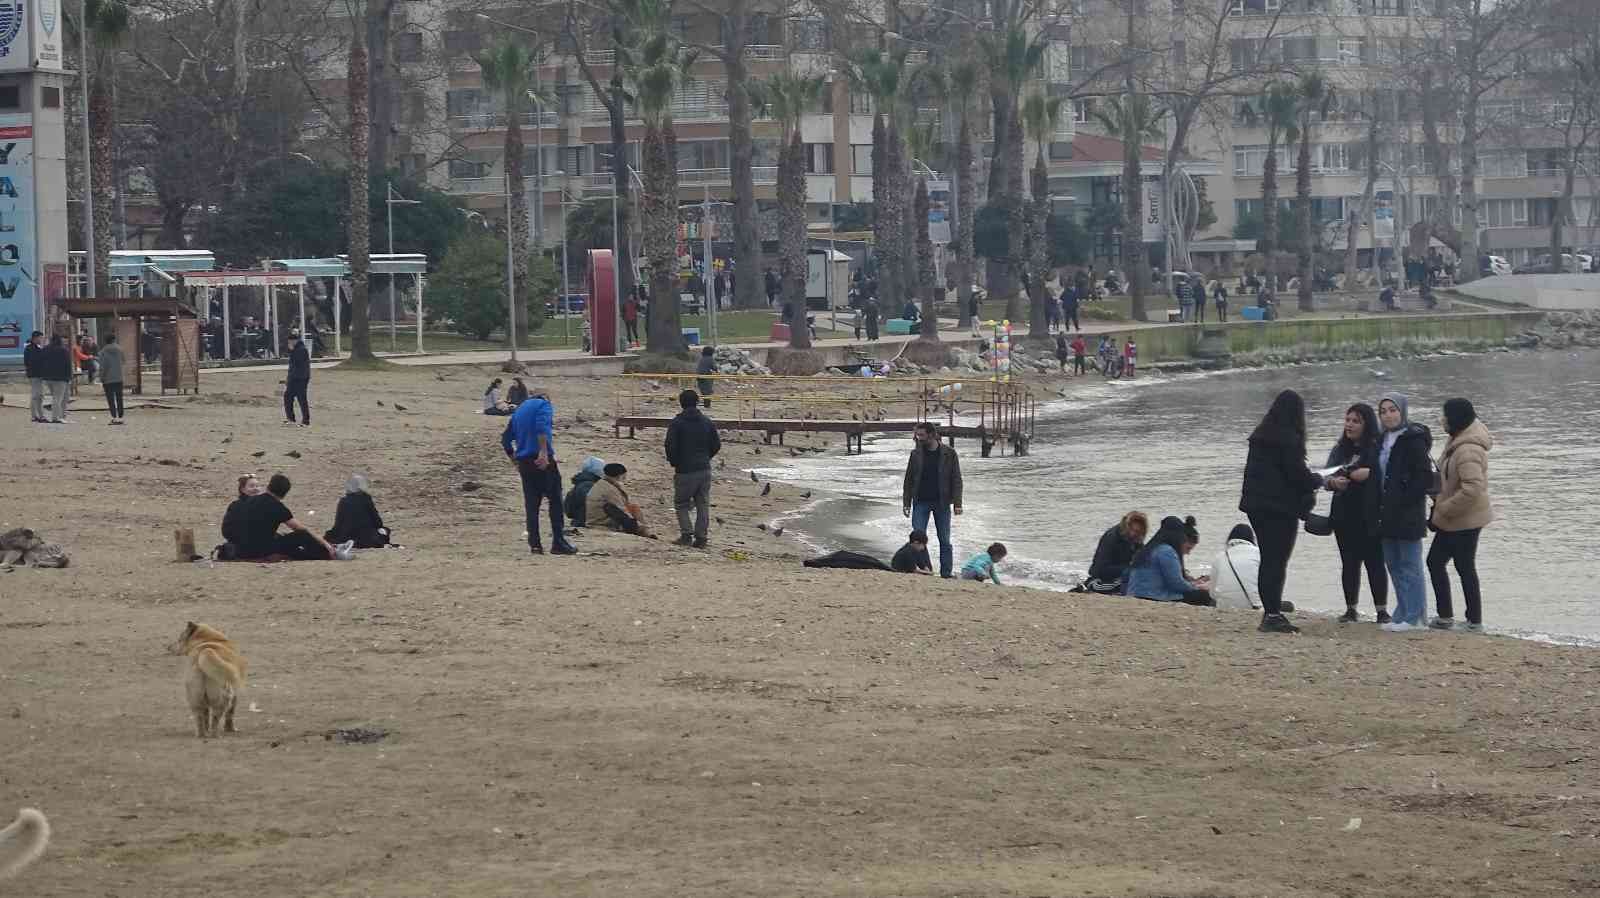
x: 18, y: 266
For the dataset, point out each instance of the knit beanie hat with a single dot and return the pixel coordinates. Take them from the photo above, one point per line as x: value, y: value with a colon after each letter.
x: 1458, y: 415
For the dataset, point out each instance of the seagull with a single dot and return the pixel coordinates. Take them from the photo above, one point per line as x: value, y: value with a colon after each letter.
x: 766, y: 489
x: 293, y: 453
x: 380, y: 403
x: 398, y: 407
x: 258, y: 454
x: 777, y: 531
x: 227, y: 439
x: 761, y: 527
x: 754, y: 478
x: 806, y: 494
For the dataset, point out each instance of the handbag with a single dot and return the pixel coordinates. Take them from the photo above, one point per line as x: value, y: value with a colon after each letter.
x: 1319, y: 525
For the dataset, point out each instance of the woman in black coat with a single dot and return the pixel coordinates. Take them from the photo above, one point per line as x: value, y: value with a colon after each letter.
x: 1108, y: 573
x: 357, y: 519
x: 1278, y: 490
x: 1405, y: 469
x: 1355, y: 517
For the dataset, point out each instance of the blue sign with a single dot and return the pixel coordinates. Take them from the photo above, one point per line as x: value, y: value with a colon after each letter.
x: 19, y: 269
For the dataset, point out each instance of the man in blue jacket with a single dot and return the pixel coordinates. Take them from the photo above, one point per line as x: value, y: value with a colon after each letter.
x: 529, y: 440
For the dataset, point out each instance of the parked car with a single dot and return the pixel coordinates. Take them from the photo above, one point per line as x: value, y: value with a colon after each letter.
x: 1543, y: 265
x: 573, y: 304
x: 1493, y: 265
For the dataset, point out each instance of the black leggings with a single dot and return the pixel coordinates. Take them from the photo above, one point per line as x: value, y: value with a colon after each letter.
x: 295, y: 391
x: 1358, y: 549
x: 1275, y: 536
x: 113, y: 398
x: 1460, y: 546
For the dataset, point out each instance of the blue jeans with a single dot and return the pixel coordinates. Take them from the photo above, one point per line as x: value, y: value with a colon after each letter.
x: 1403, y: 557
x: 941, y: 522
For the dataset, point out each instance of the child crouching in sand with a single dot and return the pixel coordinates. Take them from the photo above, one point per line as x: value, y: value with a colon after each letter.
x: 981, y: 566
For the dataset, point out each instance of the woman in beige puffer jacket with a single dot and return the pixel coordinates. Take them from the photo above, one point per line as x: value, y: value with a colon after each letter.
x: 1460, y: 512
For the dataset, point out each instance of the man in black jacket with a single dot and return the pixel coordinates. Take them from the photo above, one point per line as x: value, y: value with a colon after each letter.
x: 54, y: 365
x: 296, y: 384
x: 30, y: 365
x: 692, y: 441
x: 933, y: 488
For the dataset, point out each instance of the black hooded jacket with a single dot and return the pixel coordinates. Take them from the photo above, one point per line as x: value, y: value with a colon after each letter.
x: 1277, y: 482
x: 1399, y: 505
x: 1354, y: 508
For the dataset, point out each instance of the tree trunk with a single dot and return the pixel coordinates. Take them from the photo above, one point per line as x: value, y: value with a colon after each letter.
x: 380, y: 99
x: 516, y: 184
x: 1467, y: 251
x: 1440, y: 224
x: 658, y: 209
x: 883, y: 221
x: 1038, y: 252
x: 891, y: 266
x: 1135, y: 271
x: 1354, y: 222
x: 792, y: 238
x: 173, y: 214
x: 1267, y: 246
x: 102, y: 127
x: 967, y: 203
x: 1017, y: 220
x: 1305, y: 255
x: 927, y: 277
x: 1563, y: 209
x: 360, y: 212
x: 747, y: 287
x: 1002, y: 279
x: 622, y: 184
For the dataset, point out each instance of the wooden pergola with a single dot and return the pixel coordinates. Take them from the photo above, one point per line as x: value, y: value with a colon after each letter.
x: 180, y: 344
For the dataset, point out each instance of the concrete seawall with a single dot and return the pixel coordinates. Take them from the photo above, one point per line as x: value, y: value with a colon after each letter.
x: 1330, y: 338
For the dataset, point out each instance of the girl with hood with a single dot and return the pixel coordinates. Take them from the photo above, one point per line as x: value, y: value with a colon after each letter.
x: 1405, y: 477
x: 1278, y: 490
x: 1157, y: 572
x: 357, y: 518
x: 1355, y: 519
x: 1108, y: 573
x: 1461, y: 512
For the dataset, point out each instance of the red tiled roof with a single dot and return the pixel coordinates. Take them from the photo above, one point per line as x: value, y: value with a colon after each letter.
x: 1094, y: 148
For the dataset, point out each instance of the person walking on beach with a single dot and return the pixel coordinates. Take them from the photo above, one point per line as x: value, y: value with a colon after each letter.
x: 692, y: 441
x: 1130, y: 357
x: 1461, y: 512
x: 1220, y: 294
x: 705, y: 367
x: 1070, y: 298
x: 111, y: 364
x: 298, y: 381
x: 630, y: 318
x: 932, y: 488
x: 1405, y: 474
x: 54, y: 364
x: 1061, y: 349
x: 529, y: 441
x: 1278, y: 490
x: 1354, y: 511
x: 872, y: 319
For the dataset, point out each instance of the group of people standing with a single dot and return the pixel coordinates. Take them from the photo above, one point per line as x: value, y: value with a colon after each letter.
x: 50, y: 368
x: 1382, y: 476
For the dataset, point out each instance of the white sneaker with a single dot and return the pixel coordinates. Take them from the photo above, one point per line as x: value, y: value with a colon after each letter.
x: 1397, y: 627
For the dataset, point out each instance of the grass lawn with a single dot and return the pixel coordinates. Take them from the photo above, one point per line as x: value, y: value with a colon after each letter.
x: 735, y: 327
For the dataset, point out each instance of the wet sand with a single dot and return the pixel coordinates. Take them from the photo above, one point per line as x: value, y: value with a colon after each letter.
x: 650, y: 720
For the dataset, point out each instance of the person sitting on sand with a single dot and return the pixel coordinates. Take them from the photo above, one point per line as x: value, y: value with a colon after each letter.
x: 491, y: 400
x: 1108, y: 573
x: 981, y: 567
x: 912, y: 558
x: 1157, y: 572
x: 608, y: 501
x: 232, y: 518
x: 1235, y: 571
x: 258, y: 529
x: 357, y: 519
x: 576, y: 503
x: 517, y: 393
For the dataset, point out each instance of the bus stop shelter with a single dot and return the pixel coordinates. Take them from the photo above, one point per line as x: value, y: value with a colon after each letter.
x: 203, y: 282
x: 336, y: 270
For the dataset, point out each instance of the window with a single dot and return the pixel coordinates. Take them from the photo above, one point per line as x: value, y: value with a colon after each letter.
x: 1353, y: 52
x: 1541, y: 212
x: 467, y: 101
x: 530, y: 158
x: 1386, y: 7
x: 408, y: 46
x: 468, y: 169
x: 1180, y: 54
x: 1330, y: 157
x: 1544, y: 162
x: 810, y: 34
x: 861, y: 158
x: 696, y: 154
x: 413, y: 163
x: 764, y: 151
x: 1502, y: 213
x: 819, y: 158
x: 860, y: 103
x: 1502, y: 165
x: 416, y: 107
x: 50, y: 97
x: 10, y: 96
x: 1083, y: 110
x: 1082, y: 60
x: 574, y: 159
x: 1060, y: 151
x: 461, y: 43
x: 1249, y: 160
x: 1253, y: 7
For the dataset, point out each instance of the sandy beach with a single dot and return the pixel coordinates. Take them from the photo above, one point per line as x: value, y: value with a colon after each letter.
x: 649, y: 720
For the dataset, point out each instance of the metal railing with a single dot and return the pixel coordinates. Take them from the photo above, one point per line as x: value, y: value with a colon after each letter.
x: 484, y: 121
x: 763, y: 174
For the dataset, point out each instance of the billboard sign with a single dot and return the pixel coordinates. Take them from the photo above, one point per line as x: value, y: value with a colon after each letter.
x: 30, y: 35
x: 18, y: 267
x: 1154, y: 230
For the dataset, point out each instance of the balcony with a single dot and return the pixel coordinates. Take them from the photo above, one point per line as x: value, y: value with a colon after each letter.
x: 600, y: 182
x: 486, y: 121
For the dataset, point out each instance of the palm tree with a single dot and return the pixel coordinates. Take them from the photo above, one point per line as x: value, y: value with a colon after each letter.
x: 1013, y: 58
x: 1315, y: 94
x: 108, y: 22
x: 788, y: 97
x: 508, y: 69
x: 963, y: 80
x: 656, y: 65
x: 359, y: 215
x: 880, y: 73
x: 922, y: 142
x: 1278, y: 108
x: 1040, y: 116
x: 1133, y: 120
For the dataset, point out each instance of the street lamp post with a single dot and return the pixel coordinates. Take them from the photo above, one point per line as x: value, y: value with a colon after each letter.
x: 511, y: 277
x: 391, y: 199
x: 88, y: 182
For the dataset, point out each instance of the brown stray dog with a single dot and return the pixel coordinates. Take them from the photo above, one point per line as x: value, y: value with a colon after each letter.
x: 22, y: 841
x: 216, y: 672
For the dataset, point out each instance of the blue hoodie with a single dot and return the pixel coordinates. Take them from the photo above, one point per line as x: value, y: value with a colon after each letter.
x: 533, y: 418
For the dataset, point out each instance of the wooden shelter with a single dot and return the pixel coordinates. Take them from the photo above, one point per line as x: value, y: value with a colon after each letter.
x: 180, y: 336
